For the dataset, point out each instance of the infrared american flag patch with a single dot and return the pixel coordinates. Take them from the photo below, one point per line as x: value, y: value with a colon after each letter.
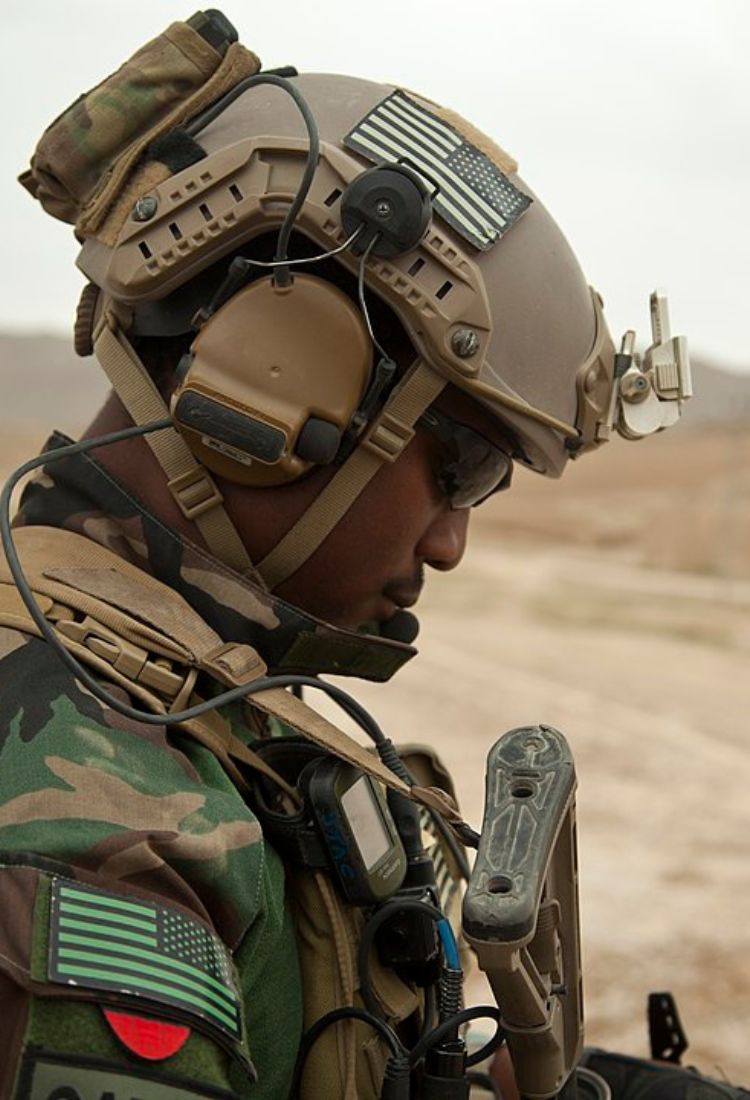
x: 471, y: 193
x: 100, y: 940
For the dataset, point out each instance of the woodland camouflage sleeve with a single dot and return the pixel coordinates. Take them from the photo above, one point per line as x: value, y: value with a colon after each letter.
x: 143, y: 935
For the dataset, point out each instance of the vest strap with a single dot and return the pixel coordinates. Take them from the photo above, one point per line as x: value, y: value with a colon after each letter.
x: 194, y: 490
x: 384, y: 442
x: 152, y: 643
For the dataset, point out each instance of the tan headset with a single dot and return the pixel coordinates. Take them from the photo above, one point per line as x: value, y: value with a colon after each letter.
x: 281, y: 370
x: 273, y: 381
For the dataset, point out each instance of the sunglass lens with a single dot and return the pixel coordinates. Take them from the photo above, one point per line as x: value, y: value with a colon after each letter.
x: 473, y: 468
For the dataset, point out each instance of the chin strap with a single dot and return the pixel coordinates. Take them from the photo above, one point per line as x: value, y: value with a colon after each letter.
x: 199, y: 498
x: 194, y: 490
x: 384, y: 441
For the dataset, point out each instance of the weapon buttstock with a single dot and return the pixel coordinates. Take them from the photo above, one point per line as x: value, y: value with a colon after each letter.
x: 520, y: 912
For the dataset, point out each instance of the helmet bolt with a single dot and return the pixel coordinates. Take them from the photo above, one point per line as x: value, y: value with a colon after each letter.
x: 465, y: 343
x: 591, y: 379
x: 635, y: 386
x: 145, y: 208
x: 383, y: 208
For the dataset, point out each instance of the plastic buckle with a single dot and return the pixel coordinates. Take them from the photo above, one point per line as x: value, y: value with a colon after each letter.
x: 165, y: 681
x: 130, y: 660
x: 125, y: 657
x: 234, y: 663
x: 388, y: 438
x: 196, y: 492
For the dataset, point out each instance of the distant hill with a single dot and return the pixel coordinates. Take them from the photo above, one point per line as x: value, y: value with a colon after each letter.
x: 42, y: 380
x: 719, y: 394
x: 680, y: 500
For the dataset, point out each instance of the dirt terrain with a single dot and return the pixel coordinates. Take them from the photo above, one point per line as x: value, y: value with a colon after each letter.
x: 616, y: 606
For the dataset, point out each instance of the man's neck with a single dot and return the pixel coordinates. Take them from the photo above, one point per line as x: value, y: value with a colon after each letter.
x: 81, y: 495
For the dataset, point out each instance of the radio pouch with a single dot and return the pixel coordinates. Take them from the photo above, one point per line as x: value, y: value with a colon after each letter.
x: 92, y: 155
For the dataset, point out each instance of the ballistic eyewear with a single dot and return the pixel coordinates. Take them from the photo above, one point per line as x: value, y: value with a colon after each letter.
x: 471, y: 468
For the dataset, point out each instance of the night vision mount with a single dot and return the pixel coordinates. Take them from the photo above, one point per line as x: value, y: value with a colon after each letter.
x: 648, y: 393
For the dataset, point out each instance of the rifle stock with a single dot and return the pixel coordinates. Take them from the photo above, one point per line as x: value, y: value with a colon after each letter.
x: 520, y: 912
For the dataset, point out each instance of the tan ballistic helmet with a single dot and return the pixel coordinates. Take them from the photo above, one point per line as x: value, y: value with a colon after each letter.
x: 490, y: 295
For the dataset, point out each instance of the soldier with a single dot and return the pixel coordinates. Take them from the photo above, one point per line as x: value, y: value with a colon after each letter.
x: 333, y: 340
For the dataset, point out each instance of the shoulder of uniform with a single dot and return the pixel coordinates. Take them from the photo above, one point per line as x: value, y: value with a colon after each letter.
x: 133, y: 801
x: 120, y: 960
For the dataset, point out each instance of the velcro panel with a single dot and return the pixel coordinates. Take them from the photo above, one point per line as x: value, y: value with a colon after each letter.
x: 470, y: 190
x: 59, y: 1077
x: 18, y: 886
x: 127, y: 945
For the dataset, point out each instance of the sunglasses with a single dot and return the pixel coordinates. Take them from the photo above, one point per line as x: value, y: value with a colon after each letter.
x: 471, y: 468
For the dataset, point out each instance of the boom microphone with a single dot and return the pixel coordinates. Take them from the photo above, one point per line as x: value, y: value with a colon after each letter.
x: 401, y: 627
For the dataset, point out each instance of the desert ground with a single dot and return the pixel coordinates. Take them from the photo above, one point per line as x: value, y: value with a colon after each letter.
x: 615, y: 606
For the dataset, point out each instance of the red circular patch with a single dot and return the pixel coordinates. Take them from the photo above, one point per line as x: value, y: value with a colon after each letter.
x: 146, y: 1037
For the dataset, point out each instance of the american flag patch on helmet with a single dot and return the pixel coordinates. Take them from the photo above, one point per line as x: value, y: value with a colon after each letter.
x: 470, y: 192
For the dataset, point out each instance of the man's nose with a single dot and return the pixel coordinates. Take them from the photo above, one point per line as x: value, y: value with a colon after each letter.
x: 443, y: 544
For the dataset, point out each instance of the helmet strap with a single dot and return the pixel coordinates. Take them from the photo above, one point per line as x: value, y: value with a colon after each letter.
x: 383, y: 442
x: 192, y: 487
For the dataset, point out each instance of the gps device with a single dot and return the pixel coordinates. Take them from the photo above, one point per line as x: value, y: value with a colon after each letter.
x: 356, y: 827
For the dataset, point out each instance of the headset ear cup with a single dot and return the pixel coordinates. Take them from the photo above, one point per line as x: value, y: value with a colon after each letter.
x: 319, y: 441
x: 276, y: 375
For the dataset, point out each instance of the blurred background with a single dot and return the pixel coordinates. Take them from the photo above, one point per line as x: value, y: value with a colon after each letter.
x: 614, y: 604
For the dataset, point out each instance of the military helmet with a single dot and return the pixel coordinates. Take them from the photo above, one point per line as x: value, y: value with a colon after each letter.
x: 424, y: 212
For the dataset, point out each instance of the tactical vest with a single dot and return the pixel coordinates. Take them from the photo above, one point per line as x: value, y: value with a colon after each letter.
x: 136, y: 632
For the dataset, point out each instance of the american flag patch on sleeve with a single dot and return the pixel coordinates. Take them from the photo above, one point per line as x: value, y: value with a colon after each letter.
x: 471, y: 193
x: 123, y: 944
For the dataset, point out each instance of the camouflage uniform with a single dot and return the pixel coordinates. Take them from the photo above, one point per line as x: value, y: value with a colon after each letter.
x: 141, y: 813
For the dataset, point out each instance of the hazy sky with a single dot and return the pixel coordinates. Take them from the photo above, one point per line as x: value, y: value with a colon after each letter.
x: 630, y: 120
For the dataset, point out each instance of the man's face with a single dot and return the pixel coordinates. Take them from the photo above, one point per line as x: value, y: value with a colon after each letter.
x: 372, y: 563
